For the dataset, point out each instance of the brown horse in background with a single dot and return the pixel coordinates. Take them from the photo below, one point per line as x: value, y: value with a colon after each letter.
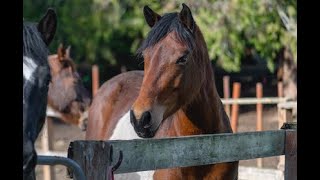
x: 174, y: 96
x: 287, y: 72
x: 67, y: 97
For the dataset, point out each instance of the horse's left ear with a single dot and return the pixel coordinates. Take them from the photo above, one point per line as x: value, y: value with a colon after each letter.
x: 47, y: 26
x: 186, y: 18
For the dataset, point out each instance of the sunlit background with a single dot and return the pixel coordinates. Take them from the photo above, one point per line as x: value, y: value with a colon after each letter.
x: 244, y: 39
x: 108, y: 32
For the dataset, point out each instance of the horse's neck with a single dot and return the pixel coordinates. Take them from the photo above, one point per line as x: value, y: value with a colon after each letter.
x: 205, y: 114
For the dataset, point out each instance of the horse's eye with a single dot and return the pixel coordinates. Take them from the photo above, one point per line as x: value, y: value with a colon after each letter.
x: 182, y: 60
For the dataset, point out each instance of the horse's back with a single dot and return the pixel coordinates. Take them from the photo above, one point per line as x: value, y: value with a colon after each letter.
x: 112, y: 101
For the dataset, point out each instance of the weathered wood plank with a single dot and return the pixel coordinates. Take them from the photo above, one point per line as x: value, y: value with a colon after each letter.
x: 150, y: 154
x: 92, y: 157
x: 291, y: 155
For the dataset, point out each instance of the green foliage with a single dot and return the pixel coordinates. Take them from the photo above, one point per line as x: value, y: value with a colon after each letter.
x: 228, y: 26
x: 110, y: 31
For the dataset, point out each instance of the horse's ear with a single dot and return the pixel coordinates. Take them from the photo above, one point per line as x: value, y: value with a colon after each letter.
x: 150, y: 16
x: 68, y: 52
x: 47, y: 26
x: 186, y: 18
x: 61, y: 52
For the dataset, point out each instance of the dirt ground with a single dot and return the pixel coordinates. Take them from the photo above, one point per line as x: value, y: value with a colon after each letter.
x: 65, y: 133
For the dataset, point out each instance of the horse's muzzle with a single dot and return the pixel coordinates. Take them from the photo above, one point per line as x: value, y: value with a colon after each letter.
x: 142, y: 126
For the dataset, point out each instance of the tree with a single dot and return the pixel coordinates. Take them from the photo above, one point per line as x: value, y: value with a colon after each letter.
x: 108, y: 32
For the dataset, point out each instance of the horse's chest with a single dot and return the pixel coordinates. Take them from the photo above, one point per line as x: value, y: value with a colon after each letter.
x: 183, y: 126
x: 124, y: 131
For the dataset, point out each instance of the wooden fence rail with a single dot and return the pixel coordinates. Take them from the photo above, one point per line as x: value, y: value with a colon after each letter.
x: 244, y: 101
x: 210, y: 149
x: 151, y: 154
x: 248, y: 101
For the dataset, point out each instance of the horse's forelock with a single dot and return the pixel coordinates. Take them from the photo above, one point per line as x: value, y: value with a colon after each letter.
x: 168, y: 23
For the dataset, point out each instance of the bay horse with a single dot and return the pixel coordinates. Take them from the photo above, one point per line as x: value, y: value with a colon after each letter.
x: 36, y: 78
x: 175, y: 95
x: 68, y: 99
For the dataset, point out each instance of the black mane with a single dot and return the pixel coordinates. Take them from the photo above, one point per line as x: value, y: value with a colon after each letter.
x: 168, y: 23
x: 33, y: 45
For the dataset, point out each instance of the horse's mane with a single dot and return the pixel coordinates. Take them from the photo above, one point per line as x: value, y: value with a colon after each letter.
x: 168, y: 23
x: 33, y: 45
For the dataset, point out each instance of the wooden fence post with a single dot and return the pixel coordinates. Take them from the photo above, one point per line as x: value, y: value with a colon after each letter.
x: 226, y: 93
x: 291, y: 156
x: 93, y: 158
x: 235, y: 107
x: 290, y: 171
x: 95, y: 79
x: 259, y: 93
x: 259, y: 107
x: 47, y: 145
x: 280, y: 89
x: 284, y: 116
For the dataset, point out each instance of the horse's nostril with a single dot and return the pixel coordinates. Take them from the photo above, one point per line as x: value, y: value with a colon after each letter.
x: 147, y: 126
x: 145, y: 119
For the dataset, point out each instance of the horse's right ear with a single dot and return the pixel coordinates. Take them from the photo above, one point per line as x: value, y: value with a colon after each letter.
x: 186, y: 18
x: 150, y: 16
x: 47, y: 26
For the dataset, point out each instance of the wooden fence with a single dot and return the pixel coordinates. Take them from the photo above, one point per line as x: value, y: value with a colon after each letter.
x: 235, y: 102
x: 152, y: 154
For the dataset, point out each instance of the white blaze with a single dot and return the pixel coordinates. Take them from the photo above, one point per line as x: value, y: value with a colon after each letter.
x: 29, y: 66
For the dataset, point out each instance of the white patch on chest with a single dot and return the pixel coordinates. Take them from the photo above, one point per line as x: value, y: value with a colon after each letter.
x: 29, y: 66
x: 124, y: 131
